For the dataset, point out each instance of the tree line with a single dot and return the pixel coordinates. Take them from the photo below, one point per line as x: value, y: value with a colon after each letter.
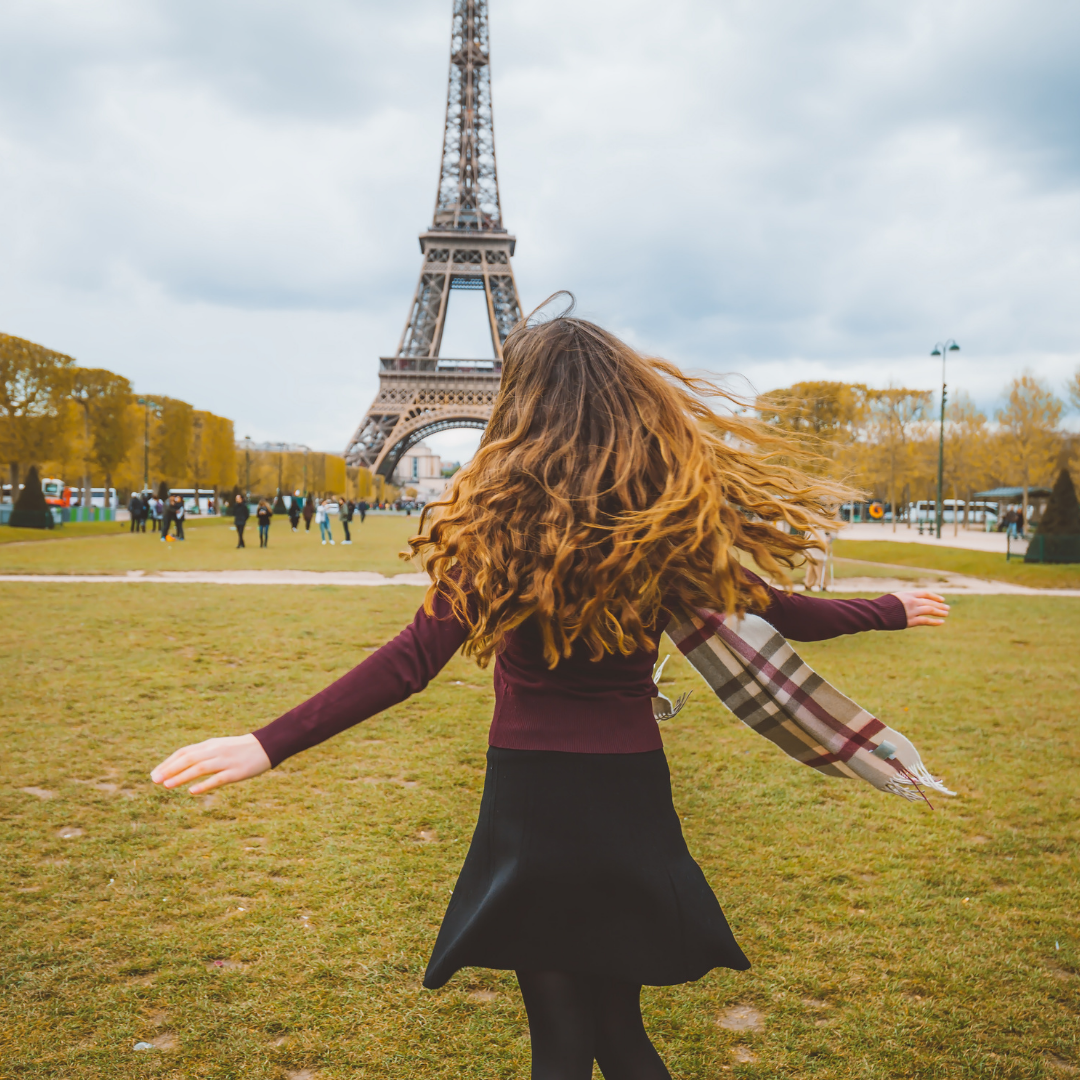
x: 73, y: 421
x: 885, y: 442
x: 265, y: 471
x: 87, y: 423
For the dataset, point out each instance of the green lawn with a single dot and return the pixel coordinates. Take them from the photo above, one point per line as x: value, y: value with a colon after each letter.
x: 887, y: 940
x: 211, y: 545
x: 982, y: 564
x: 78, y: 529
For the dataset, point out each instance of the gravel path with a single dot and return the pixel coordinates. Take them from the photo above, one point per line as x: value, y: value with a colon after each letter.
x: 227, y: 577
x: 941, y: 582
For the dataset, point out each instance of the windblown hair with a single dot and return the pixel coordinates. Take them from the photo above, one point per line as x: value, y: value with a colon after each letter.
x: 604, y: 488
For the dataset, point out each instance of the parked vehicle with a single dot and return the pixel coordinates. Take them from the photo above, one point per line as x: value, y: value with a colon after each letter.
x: 57, y: 493
x: 98, y: 497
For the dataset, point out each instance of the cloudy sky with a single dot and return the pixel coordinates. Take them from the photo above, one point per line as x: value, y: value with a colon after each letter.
x: 221, y: 200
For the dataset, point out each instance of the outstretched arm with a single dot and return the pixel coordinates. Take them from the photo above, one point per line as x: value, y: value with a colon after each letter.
x: 398, y: 670
x: 810, y: 618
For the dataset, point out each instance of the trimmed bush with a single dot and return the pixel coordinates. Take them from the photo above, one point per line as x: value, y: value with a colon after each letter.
x: 1057, y: 539
x: 1062, y: 515
x: 31, y: 511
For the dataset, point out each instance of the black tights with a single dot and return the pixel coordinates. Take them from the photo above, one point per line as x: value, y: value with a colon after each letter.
x: 576, y: 1019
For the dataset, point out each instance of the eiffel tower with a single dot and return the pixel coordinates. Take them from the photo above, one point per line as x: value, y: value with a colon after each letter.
x: 467, y: 247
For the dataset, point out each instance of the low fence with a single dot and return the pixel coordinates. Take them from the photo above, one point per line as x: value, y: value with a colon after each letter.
x: 1053, y: 549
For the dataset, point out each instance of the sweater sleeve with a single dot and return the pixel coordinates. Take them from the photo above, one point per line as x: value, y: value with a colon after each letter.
x: 398, y: 670
x: 810, y: 618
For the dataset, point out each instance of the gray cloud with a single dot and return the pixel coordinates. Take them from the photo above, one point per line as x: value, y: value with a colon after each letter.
x: 222, y: 200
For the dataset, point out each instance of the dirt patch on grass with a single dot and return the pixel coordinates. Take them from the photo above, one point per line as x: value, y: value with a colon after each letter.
x: 741, y: 1018
x: 38, y: 792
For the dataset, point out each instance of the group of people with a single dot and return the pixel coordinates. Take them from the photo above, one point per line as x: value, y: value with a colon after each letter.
x: 1012, y: 522
x: 322, y: 512
x: 163, y: 514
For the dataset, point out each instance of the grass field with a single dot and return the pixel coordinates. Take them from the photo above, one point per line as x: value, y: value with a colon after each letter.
x: 982, y: 564
x: 76, y: 530
x: 281, y: 928
x: 211, y: 545
x: 106, y: 548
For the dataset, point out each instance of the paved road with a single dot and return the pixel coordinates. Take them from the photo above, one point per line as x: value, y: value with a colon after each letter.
x: 938, y: 580
x: 968, y: 540
x: 227, y: 577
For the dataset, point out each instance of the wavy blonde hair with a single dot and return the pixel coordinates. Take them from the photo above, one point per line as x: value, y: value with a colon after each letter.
x: 604, y: 488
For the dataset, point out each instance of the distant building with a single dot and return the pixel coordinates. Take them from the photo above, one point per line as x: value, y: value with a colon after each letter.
x: 421, y: 468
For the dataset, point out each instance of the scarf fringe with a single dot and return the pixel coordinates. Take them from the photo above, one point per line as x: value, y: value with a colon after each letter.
x: 755, y: 672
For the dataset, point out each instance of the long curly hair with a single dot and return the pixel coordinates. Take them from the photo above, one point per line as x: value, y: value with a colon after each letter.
x: 604, y: 488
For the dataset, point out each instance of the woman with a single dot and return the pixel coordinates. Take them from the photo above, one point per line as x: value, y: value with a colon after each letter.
x: 240, y: 515
x: 322, y: 516
x: 264, y: 514
x: 344, y: 513
x: 605, y: 495
x: 294, y: 510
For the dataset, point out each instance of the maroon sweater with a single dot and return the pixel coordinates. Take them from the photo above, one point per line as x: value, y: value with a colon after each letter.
x: 585, y: 706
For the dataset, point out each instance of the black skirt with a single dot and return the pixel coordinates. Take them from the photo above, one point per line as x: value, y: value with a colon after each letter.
x: 578, y: 864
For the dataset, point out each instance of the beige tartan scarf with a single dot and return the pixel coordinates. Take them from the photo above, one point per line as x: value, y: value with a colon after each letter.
x: 770, y: 688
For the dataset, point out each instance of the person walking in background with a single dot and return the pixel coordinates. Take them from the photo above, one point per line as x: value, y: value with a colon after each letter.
x: 264, y: 515
x: 309, y: 512
x: 344, y: 513
x: 166, y: 516
x: 134, y: 509
x: 155, y: 512
x: 179, y: 513
x: 363, y: 508
x: 144, y: 510
x: 322, y: 516
x: 818, y: 562
x: 294, y: 510
x: 240, y: 516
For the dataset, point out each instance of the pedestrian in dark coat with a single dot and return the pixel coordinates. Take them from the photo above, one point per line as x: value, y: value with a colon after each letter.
x: 166, y: 516
x: 265, y: 515
x: 294, y: 511
x: 309, y: 513
x: 363, y: 508
x: 240, y: 516
x: 135, y: 509
x: 179, y: 513
x: 344, y: 511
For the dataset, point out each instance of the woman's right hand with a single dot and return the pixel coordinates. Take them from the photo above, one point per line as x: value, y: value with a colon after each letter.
x: 221, y: 761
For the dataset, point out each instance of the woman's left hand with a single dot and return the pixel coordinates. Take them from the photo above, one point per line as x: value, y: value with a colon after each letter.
x: 923, y: 608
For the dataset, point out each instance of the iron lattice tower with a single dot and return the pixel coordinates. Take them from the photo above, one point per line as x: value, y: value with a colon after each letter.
x: 466, y: 247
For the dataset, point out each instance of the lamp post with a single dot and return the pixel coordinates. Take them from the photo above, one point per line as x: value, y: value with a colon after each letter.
x: 942, y: 350
x: 247, y: 457
x: 149, y: 404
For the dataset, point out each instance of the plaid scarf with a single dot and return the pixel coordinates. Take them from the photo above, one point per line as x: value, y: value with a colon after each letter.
x: 767, y: 685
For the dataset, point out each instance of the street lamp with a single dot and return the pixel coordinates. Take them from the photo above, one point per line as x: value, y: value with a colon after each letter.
x: 942, y: 350
x: 247, y: 456
x: 149, y: 404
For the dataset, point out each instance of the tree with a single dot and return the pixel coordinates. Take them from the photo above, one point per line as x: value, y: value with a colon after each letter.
x: 1074, y: 389
x: 896, y: 414
x: 965, y: 451
x: 104, y: 399
x: 33, y: 386
x: 212, y: 461
x: 1062, y: 515
x: 170, y: 442
x: 822, y: 416
x: 1030, y: 438
x: 30, y: 510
